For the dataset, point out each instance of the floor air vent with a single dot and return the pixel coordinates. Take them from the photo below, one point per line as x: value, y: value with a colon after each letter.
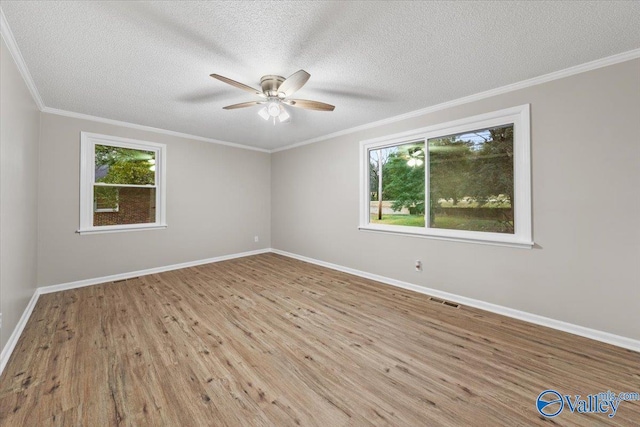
x: 444, y: 302
x: 124, y: 280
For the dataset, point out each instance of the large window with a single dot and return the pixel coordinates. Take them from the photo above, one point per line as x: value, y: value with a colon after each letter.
x: 467, y: 180
x: 121, y: 184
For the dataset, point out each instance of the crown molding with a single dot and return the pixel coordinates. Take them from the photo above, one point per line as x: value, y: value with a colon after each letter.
x: 593, y: 65
x: 7, y: 35
x: 10, y: 40
x: 75, y: 115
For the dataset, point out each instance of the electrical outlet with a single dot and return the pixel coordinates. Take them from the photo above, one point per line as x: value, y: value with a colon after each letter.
x: 418, y: 265
x: 256, y: 239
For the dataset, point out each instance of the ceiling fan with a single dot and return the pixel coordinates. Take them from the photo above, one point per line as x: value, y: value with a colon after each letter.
x: 275, y: 93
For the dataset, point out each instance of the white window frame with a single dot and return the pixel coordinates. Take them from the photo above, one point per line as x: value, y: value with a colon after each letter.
x: 519, y: 117
x: 88, y: 141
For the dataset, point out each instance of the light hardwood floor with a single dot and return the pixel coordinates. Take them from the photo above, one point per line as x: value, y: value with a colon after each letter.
x: 271, y: 341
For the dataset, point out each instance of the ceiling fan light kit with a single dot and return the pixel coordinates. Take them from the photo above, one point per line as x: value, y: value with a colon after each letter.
x: 273, y: 110
x: 275, y: 91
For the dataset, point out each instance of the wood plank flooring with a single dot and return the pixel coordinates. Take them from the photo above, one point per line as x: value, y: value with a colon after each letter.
x: 271, y: 341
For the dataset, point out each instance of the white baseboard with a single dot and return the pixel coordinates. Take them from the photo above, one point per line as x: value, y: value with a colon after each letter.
x: 129, y: 275
x: 594, y: 334
x: 17, y: 331
x: 582, y: 331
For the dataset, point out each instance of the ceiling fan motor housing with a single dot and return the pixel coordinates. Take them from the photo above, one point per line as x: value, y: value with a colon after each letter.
x: 270, y: 84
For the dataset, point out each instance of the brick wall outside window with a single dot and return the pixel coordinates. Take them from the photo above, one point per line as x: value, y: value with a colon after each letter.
x: 136, y: 206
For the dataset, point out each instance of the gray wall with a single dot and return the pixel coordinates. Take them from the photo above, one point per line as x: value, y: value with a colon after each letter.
x: 586, y: 203
x: 584, y: 269
x: 20, y: 125
x: 218, y: 198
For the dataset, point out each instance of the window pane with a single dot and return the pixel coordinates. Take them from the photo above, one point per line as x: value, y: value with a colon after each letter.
x: 116, y: 165
x: 123, y: 205
x: 471, y: 181
x: 396, y: 176
x: 106, y: 199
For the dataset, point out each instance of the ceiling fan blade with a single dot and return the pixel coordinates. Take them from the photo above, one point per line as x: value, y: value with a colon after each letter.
x: 294, y: 82
x: 309, y: 105
x: 243, y: 105
x: 238, y: 85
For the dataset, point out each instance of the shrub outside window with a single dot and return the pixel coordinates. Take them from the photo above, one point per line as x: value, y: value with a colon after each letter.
x: 466, y: 180
x: 122, y: 184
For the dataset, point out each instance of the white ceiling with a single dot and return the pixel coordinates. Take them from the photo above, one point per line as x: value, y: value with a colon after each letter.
x: 149, y: 63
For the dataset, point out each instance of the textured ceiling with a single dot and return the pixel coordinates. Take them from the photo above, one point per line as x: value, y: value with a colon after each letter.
x: 149, y: 62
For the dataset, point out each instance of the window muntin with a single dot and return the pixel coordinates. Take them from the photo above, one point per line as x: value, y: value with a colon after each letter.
x: 122, y: 184
x: 477, y: 180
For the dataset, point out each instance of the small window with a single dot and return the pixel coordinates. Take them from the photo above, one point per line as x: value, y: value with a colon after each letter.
x: 467, y: 180
x: 122, y: 184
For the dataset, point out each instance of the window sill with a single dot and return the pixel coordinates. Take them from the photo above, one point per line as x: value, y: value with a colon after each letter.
x: 121, y: 228
x: 493, y: 239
